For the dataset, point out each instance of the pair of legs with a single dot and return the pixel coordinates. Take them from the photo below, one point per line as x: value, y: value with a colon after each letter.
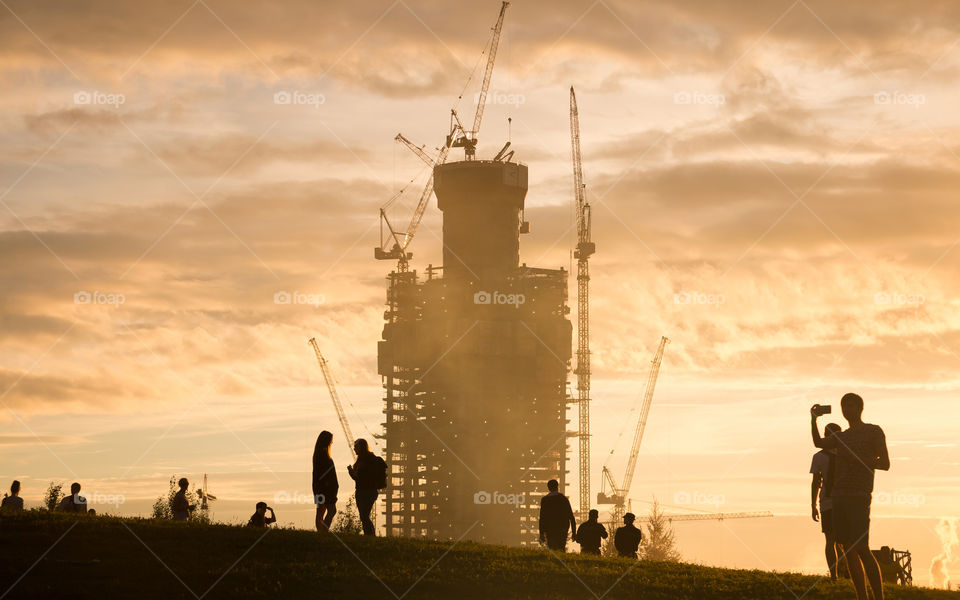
x: 861, y: 562
x: 826, y: 525
x: 851, y: 517
x: 325, y: 513
x: 365, y: 502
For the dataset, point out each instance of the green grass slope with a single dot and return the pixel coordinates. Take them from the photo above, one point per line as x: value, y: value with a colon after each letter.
x: 55, y: 556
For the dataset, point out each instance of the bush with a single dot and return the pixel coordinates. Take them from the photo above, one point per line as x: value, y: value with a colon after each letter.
x: 53, y: 495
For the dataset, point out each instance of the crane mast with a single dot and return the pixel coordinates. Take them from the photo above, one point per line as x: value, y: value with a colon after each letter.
x: 585, y: 248
x: 328, y: 377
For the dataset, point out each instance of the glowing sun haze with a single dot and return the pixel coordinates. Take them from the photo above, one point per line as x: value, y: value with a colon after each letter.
x: 773, y: 188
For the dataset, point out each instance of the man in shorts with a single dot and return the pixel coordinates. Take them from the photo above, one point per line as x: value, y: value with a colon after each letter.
x: 861, y: 449
x: 822, y: 468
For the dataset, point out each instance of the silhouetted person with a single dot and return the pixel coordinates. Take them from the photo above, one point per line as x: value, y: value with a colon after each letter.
x: 590, y: 533
x: 92, y: 512
x: 370, y: 473
x: 556, y: 518
x: 13, y: 501
x: 627, y: 538
x: 181, y: 506
x: 260, y: 518
x: 861, y: 449
x: 74, y: 502
x: 325, y: 484
x: 823, y: 468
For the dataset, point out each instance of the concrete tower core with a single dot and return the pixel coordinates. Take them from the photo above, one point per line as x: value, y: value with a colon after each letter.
x: 474, y: 361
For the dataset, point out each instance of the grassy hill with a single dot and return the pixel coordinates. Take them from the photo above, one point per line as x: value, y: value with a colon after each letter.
x: 47, y: 555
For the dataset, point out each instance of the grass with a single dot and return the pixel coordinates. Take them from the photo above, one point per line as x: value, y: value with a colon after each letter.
x: 50, y: 555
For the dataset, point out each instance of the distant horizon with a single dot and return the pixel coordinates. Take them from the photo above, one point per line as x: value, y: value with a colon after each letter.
x: 190, y: 191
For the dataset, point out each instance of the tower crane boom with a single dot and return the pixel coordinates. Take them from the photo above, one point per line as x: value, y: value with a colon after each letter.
x: 644, y: 413
x: 618, y: 493
x: 331, y: 386
x: 468, y: 139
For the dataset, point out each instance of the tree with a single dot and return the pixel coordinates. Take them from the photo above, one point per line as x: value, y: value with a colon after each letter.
x: 348, y: 520
x: 53, y: 495
x: 163, y: 505
x: 659, y: 543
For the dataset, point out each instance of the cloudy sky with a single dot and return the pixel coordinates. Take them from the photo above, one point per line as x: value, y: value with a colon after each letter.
x: 773, y: 188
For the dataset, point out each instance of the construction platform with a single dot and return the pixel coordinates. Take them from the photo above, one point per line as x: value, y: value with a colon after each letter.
x: 474, y: 360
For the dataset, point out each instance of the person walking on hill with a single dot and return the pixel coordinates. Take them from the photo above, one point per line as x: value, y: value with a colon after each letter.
x: 13, y: 502
x: 627, y: 538
x: 556, y: 518
x: 325, y: 484
x: 181, y: 506
x: 370, y: 474
x: 590, y: 533
x: 861, y: 450
x: 823, y: 468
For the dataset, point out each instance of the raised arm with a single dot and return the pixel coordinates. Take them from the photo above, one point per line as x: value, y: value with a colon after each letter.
x: 818, y: 441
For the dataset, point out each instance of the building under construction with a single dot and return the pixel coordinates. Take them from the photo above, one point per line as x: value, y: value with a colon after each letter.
x: 474, y: 360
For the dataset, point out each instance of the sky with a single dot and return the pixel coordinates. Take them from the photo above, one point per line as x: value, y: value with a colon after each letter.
x: 773, y: 188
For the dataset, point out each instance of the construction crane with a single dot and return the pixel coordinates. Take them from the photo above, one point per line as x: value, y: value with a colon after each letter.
x: 328, y: 377
x: 711, y: 516
x: 585, y: 248
x: 205, y: 494
x: 618, y: 493
x: 460, y: 137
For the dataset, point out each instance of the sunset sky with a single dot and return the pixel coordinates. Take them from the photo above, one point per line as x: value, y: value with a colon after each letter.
x: 773, y: 188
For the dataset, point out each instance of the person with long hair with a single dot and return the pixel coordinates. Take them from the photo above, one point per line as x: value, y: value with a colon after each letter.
x: 325, y: 484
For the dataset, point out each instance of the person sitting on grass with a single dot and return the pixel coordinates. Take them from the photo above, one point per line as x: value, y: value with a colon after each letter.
x: 74, y: 502
x: 13, y: 502
x: 260, y: 518
x: 627, y: 539
x: 181, y: 506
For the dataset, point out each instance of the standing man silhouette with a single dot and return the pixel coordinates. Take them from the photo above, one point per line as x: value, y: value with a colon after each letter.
x: 556, y: 518
x: 627, y: 538
x: 823, y: 468
x: 861, y: 449
x: 590, y: 534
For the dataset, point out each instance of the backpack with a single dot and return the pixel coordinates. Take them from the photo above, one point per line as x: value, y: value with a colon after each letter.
x: 381, y: 472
